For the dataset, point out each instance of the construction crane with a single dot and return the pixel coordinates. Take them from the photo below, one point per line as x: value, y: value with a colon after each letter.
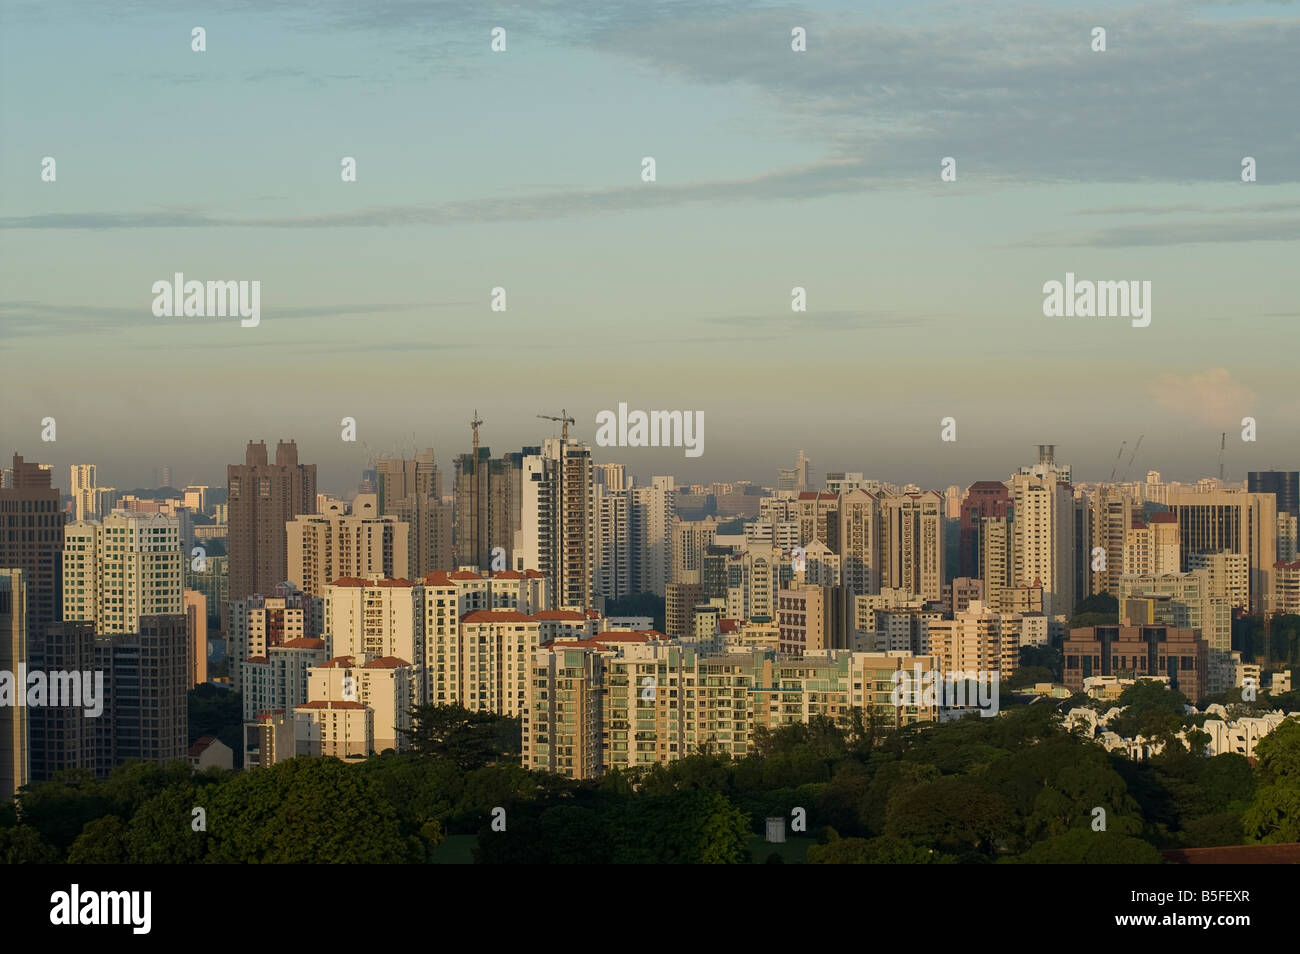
x: 1122, y: 445
x: 565, y: 419
x: 1223, y: 445
x: 474, y: 424
x: 1129, y: 465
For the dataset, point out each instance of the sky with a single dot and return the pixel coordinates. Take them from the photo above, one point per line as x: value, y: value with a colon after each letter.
x: 774, y: 169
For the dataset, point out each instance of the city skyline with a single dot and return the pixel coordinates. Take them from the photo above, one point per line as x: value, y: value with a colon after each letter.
x: 775, y: 170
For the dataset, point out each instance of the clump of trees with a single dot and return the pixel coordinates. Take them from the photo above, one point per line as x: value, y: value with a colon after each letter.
x: 1014, y: 789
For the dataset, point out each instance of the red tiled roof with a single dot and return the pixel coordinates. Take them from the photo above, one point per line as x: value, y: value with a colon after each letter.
x: 339, y: 662
x: 496, y: 616
x: 357, y: 581
x: 636, y: 636
x: 257, y: 659
x: 332, y: 704
x: 386, y: 662
x: 1282, y: 854
x: 304, y: 642
x: 201, y: 745
x: 728, y: 625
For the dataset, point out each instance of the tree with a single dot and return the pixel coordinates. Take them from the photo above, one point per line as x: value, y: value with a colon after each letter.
x: 470, y: 739
x: 101, y: 842
x: 953, y: 814
x: 303, y: 811
x: 1081, y: 846
x: 23, y: 845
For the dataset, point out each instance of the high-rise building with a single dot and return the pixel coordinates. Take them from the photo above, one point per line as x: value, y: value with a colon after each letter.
x: 859, y: 535
x: 654, y: 508
x: 62, y: 737
x: 691, y: 538
x: 1047, y: 465
x: 262, y: 499
x: 1110, y: 525
x: 840, y: 482
x: 82, y: 484
x: 31, y: 540
x: 1183, y: 600
x: 1227, y: 574
x: 911, y: 543
x: 1284, y: 485
x: 994, y: 564
x: 1233, y: 522
x: 1152, y: 547
x: 143, y: 697
x: 119, y: 570
x: 484, y: 509
x: 13, y: 659
x: 613, y: 541
x: 146, y: 682
x: 196, y: 616
x: 1043, y: 538
x: 375, y: 617
x: 984, y: 498
x: 557, y: 529
x: 411, y: 491
x: 277, y: 679
x: 257, y: 623
x: 338, y: 543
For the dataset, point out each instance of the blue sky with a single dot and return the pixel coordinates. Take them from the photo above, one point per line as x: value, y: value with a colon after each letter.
x: 522, y: 169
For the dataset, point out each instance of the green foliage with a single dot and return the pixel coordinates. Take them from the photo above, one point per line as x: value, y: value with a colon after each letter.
x: 469, y: 739
x: 1150, y: 709
x: 1081, y: 846
x: 303, y: 811
x: 23, y: 845
x: 101, y: 842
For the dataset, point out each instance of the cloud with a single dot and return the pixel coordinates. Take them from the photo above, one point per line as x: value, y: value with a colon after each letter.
x: 33, y: 318
x: 1210, y: 397
x: 1204, y: 231
x: 809, y: 181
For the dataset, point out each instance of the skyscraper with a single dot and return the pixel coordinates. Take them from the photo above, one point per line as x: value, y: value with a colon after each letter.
x: 81, y: 484
x: 119, y: 570
x: 263, y: 498
x: 557, y: 529
x: 1043, y: 538
x: 411, y: 491
x: 326, y: 546
x: 1229, y: 521
x: 13, y: 656
x: 483, y: 508
x: 1282, y: 484
x: 654, y: 509
x: 984, y: 498
x: 31, y: 540
x: 911, y: 543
